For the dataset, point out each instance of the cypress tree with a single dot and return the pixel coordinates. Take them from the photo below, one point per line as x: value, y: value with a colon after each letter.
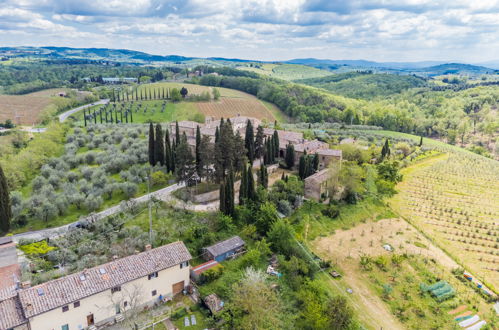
x: 259, y: 142
x: 222, y: 199
x: 250, y: 184
x: 243, y: 188
x: 168, y: 152
x: 155, y: 93
x: 85, y: 117
x: 177, y: 133
x: 249, y: 141
x: 421, y: 141
x: 290, y: 156
x: 159, y: 148
x: 229, y: 194
x: 151, y: 143
x: 315, y: 162
x: 217, y: 135
x: 276, y: 143
x: 5, y: 208
x: 263, y: 177
x: 131, y: 116
x: 301, y: 167
x: 198, y: 150
x: 121, y: 114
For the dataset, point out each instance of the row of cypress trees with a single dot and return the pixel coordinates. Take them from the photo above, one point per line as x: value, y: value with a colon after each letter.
x: 161, y: 150
x: 309, y: 164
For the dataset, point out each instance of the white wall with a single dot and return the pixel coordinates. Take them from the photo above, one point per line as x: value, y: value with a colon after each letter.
x: 102, y: 305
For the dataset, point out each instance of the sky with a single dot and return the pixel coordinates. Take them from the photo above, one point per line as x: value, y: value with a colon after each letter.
x: 379, y: 30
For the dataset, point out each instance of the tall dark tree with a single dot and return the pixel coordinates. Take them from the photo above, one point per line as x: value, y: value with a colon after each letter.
x: 251, y: 193
x: 198, y: 150
x: 229, y: 194
x: 276, y: 143
x: 183, y: 92
x: 263, y: 177
x: 421, y: 141
x: 205, y: 169
x: 151, y: 144
x: 185, y: 165
x: 224, y: 150
x: 290, y: 156
x: 217, y: 134
x: 5, y: 208
x: 259, y: 142
x: 249, y: 141
x: 315, y: 162
x: 85, y: 117
x: 221, y: 196
x: 243, y: 188
x: 385, y: 151
x: 301, y: 167
x: 168, y: 152
x: 159, y: 147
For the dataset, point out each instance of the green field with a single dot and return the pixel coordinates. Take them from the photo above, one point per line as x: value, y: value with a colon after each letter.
x: 286, y: 71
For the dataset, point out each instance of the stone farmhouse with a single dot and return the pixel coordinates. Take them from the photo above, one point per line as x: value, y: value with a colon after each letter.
x: 98, y: 296
x: 326, y: 155
x: 316, y: 185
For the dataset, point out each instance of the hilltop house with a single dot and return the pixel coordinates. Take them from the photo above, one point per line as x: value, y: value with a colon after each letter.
x: 224, y: 249
x: 99, y: 295
x: 316, y: 185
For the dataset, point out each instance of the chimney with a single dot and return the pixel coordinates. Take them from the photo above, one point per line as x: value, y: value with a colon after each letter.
x: 29, y: 307
x: 25, y: 285
x: 148, y: 247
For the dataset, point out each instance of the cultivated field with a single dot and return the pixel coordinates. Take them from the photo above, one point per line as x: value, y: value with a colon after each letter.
x: 28, y: 109
x: 454, y: 199
x: 231, y: 104
x: 389, y: 281
x: 287, y: 71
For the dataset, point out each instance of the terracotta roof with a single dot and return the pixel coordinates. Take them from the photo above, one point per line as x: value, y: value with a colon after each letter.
x: 285, y: 135
x: 311, y: 146
x: 329, y: 152
x: 225, y: 246
x: 11, y: 313
x: 318, y: 177
x: 70, y: 288
x: 204, y: 267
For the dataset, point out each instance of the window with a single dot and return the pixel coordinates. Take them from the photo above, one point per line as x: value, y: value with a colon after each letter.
x: 82, y: 277
x: 76, y: 304
x: 153, y: 293
x: 116, y: 289
x: 125, y: 304
x: 65, y: 327
x: 40, y: 291
x: 102, y: 270
x: 65, y: 308
x: 184, y: 264
x: 152, y: 275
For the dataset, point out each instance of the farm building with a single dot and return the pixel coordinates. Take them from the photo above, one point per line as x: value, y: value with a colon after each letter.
x: 98, y: 296
x: 198, y: 270
x: 316, y: 185
x: 225, y: 249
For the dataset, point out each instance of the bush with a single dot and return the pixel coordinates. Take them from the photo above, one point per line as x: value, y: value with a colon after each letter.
x: 332, y: 211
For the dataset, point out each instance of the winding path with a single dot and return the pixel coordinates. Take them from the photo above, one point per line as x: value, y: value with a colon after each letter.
x: 63, y: 116
x: 162, y: 194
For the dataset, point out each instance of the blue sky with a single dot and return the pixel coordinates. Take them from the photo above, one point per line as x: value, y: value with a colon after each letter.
x: 380, y: 30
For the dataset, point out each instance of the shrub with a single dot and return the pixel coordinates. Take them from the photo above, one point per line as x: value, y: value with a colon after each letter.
x: 332, y: 211
x: 36, y: 248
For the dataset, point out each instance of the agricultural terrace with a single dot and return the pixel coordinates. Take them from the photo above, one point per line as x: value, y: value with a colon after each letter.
x: 393, y: 278
x: 452, y: 198
x: 101, y: 166
x: 285, y: 71
x: 155, y: 104
x: 34, y: 108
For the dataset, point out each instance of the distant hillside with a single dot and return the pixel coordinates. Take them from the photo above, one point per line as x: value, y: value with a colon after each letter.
x: 288, y: 72
x: 365, y: 85
x: 455, y: 68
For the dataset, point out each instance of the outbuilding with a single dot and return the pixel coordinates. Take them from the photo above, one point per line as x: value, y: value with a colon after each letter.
x: 225, y: 249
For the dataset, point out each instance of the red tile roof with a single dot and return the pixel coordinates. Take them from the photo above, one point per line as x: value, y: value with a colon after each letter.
x: 73, y: 287
x: 204, y: 267
x: 11, y: 313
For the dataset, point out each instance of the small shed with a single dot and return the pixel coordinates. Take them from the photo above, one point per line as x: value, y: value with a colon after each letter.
x: 198, y: 270
x: 222, y: 250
